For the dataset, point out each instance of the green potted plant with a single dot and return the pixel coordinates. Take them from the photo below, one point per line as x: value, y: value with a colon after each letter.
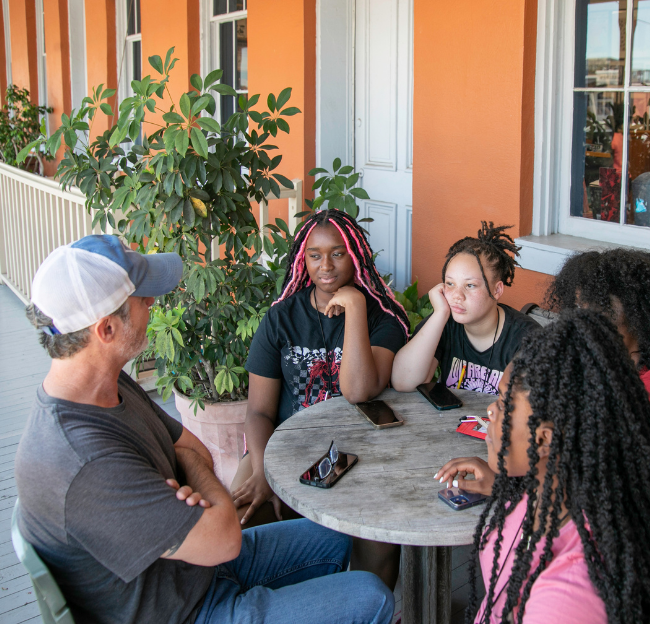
x: 188, y: 185
x: 21, y: 122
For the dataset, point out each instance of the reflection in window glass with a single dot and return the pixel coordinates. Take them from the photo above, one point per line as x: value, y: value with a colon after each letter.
x: 641, y: 43
x: 241, y: 56
x: 638, y: 164
x: 600, y: 43
x: 221, y: 7
x: 137, y: 60
x: 227, y: 65
x: 597, y: 155
x: 133, y: 13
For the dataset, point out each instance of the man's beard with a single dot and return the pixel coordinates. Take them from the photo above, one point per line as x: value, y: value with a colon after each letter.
x: 134, y: 342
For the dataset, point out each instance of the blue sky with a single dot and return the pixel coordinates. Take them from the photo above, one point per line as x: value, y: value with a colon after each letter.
x: 603, y: 33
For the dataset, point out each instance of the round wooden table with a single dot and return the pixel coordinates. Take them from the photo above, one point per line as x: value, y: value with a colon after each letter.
x: 390, y: 495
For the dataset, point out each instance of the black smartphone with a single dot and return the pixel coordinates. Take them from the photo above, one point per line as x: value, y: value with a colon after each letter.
x: 344, y: 463
x: 379, y: 414
x: 441, y: 397
x: 460, y: 499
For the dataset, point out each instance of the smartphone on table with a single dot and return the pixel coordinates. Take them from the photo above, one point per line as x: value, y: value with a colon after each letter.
x: 460, y: 499
x: 327, y: 470
x: 441, y: 397
x: 379, y: 414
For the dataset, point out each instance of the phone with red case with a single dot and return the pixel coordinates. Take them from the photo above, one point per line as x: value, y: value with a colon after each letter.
x: 473, y: 429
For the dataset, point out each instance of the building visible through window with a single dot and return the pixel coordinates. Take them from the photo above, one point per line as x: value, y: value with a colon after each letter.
x: 610, y: 178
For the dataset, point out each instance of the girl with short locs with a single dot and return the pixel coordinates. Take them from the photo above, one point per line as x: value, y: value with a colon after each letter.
x: 470, y: 334
x: 334, y: 330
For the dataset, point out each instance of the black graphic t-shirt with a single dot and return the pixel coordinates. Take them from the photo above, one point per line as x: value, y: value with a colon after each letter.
x: 288, y: 345
x: 455, y: 350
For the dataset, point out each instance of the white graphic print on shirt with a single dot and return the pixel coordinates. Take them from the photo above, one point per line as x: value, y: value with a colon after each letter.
x: 477, y: 378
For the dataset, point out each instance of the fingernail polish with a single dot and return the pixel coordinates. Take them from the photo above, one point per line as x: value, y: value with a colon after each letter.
x: 441, y: 479
x: 435, y: 476
x: 455, y: 483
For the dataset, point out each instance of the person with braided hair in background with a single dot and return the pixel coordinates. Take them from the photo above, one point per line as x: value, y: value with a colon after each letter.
x: 615, y: 282
x: 470, y: 334
x: 334, y: 330
x: 563, y: 536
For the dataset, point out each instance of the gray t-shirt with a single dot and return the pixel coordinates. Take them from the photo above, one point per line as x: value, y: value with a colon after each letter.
x: 95, y: 505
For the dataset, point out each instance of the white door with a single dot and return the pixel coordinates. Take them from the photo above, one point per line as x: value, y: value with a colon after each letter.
x: 384, y: 129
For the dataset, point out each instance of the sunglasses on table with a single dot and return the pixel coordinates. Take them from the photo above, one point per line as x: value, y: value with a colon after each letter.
x: 329, y: 468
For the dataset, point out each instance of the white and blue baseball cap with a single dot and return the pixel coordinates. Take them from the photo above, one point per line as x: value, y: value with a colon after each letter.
x: 79, y: 284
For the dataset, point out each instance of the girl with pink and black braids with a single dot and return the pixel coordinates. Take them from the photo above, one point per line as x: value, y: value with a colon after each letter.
x: 334, y: 331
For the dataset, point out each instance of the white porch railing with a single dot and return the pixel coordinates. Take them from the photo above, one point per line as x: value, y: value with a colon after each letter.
x: 36, y: 217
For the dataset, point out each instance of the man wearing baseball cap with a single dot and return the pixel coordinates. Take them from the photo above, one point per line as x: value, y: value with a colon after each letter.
x: 121, y: 501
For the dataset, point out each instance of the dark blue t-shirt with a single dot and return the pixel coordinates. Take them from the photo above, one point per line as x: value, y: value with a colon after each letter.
x: 288, y: 345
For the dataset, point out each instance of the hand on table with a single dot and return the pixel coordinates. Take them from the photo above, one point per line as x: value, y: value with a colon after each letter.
x: 186, y: 493
x: 345, y: 297
x: 457, y: 469
x: 256, y: 491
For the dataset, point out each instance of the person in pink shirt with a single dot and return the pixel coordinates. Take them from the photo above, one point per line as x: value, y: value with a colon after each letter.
x: 562, y: 537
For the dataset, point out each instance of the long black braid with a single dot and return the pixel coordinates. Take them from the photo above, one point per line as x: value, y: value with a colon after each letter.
x: 579, y: 377
x: 593, y: 278
x: 367, y: 276
x: 495, y: 246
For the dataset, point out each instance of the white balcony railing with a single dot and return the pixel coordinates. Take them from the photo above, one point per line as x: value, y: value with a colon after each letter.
x: 36, y: 217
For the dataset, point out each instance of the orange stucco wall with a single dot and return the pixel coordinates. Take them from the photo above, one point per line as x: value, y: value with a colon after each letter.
x: 101, y: 58
x: 282, y: 53
x: 24, y: 73
x: 474, y: 67
x: 166, y: 24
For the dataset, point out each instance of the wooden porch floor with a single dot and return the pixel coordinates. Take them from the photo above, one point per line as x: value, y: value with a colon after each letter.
x: 23, y: 365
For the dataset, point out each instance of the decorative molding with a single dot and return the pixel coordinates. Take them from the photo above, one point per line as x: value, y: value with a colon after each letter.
x: 383, y: 233
x: 387, y: 77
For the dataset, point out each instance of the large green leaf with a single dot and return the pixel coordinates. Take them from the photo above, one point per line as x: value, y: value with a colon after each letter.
x: 199, y: 142
x: 185, y: 105
x: 156, y: 62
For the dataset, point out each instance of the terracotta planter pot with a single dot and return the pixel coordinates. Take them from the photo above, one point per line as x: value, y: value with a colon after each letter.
x: 220, y: 426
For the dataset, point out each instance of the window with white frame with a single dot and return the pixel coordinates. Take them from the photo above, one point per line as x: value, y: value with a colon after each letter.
x: 592, y: 132
x: 227, y: 48
x: 133, y: 42
x: 610, y: 168
x: 129, y: 46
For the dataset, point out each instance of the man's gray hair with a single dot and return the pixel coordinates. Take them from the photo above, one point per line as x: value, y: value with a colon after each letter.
x: 60, y: 346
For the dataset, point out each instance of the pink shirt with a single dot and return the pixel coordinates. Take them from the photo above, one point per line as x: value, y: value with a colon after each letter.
x: 562, y: 593
x: 645, y: 378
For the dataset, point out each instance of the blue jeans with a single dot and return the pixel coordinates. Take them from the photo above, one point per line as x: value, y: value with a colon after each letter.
x: 286, y: 572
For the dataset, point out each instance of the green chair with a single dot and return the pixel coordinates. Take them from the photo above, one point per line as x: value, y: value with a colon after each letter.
x: 50, y: 599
